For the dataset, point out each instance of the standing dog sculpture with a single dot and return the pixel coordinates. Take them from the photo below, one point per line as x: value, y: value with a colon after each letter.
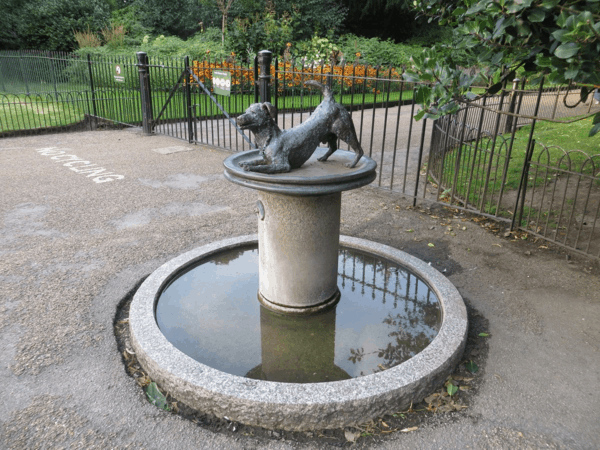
x: 284, y: 150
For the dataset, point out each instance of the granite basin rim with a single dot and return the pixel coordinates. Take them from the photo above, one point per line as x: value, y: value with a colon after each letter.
x: 295, y: 406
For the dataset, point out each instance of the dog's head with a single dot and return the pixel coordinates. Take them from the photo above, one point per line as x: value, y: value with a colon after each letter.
x: 257, y: 116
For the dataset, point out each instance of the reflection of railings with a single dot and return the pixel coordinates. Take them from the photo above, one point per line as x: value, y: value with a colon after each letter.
x: 410, y: 328
x: 405, y: 284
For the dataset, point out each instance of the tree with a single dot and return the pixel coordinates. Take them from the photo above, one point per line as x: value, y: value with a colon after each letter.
x: 381, y: 18
x: 559, y: 39
x: 224, y: 6
x: 10, y: 22
x: 173, y: 17
x: 49, y: 24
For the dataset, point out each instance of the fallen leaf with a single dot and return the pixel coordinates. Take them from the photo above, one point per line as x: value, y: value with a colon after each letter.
x: 410, y: 230
x: 384, y: 424
x: 452, y: 389
x: 430, y: 245
x: 471, y: 367
x: 408, y: 430
x: 156, y: 397
x: 351, y: 436
x: 458, y: 407
x: 464, y: 388
x: 483, y: 334
x: 431, y: 398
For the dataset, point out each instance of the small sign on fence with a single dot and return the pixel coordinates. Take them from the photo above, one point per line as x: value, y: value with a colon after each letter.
x: 119, y: 78
x: 222, y: 82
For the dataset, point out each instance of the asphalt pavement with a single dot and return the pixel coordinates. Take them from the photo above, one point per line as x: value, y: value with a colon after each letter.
x: 85, y: 216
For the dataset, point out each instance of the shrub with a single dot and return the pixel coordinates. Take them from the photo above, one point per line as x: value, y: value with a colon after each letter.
x: 248, y: 36
x: 114, y: 36
x: 316, y: 50
x: 129, y: 18
x: 49, y: 24
x: 86, y: 39
x: 375, y: 51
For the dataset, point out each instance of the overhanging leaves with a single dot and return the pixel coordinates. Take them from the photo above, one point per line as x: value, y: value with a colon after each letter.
x: 536, y: 37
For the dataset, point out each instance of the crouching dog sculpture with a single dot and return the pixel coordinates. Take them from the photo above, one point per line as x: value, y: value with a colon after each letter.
x: 284, y: 150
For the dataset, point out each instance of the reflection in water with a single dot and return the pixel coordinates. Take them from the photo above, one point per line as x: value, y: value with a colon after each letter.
x: 297, y: 349
x: 385, y: 316
x: 413, y: 327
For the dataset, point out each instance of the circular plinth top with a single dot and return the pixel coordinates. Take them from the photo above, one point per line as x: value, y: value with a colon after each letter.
x: 313, y: 178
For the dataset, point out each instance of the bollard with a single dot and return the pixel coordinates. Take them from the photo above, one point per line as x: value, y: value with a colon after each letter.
x: 264, y: 61
x: 145, y: 92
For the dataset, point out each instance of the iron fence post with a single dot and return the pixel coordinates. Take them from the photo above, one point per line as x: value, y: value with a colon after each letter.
x: 23, y: 73
x: 92, y: 86
x: 255, y: 70
x: 147, y: 121
x: 520, y: 202
x: 2, y: 72
x: 51, y: 59
x: 556, y: 102
x: 264, y: 61
x: 511, y: 106
x: 188, y: 96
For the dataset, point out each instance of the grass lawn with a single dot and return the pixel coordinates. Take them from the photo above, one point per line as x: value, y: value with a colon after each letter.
x: 23, y: 112
x: 469, y: 168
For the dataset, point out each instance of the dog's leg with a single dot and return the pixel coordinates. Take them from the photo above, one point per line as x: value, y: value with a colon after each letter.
x: 359, y: 153
x: 351, y: 139
x: 253, y: 163
x: 270, y: 168
x: 332, y: 141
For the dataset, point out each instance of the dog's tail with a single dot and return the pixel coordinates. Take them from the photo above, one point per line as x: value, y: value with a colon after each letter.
x: 324, y: 89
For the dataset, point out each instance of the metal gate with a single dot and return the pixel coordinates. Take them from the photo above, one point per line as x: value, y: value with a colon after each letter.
x: 176, y: 101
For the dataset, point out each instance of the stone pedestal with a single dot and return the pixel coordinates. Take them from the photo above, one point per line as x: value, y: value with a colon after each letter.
x: 298, y: 241
x: 299, y: 227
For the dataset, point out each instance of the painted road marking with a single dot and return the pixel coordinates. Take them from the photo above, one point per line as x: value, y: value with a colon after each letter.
x: 79, y: 165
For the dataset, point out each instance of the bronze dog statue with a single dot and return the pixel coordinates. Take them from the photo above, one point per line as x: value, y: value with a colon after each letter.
x: 284, y: 150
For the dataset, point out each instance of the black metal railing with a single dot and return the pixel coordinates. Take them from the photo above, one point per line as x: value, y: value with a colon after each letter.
x: 476, y: 164
x: 470, y: 160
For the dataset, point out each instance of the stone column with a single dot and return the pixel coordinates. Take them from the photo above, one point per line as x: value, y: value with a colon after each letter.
x: 298, y: 241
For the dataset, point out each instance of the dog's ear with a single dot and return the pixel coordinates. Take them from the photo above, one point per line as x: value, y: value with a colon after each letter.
x: 270, y: 109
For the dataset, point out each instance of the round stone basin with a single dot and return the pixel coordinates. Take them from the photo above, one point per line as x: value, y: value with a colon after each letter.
x: 303, y: 401
x: 385, y: 316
